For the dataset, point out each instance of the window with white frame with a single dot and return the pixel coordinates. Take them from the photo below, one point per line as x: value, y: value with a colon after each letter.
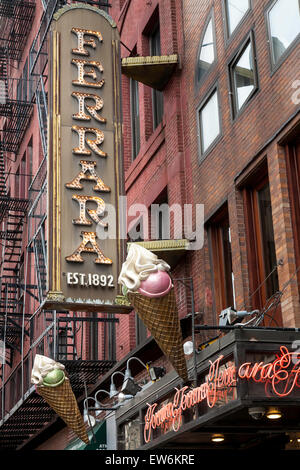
x: 284, y: 26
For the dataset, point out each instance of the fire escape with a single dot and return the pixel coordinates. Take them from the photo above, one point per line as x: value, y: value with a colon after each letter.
x: 23, y: 413
x: 15, y: 18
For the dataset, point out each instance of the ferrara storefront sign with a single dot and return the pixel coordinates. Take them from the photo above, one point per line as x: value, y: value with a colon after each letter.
x: 84, y: 170
x: 237, y: 373
x: 279, y: 378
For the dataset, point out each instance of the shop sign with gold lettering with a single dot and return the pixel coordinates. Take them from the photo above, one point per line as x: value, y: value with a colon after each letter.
x: 85, y: 249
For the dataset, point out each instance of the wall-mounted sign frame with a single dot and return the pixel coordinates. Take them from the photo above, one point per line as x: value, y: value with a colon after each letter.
x: 85, y: 249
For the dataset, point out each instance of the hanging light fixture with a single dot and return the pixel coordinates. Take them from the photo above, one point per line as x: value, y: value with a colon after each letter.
x: 217, y: 437
x: 122, y: 397
x: 88, y: 418
x: 274, y: 413
x: 130, y: 387
x: 113, y: 391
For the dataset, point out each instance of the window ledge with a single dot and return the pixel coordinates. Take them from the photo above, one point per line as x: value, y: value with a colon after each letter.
x: 153, y: 71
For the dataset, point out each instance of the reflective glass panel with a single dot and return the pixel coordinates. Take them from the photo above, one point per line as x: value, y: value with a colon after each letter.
x: 236, y: 10
x: 284, y: 19
x: 207, y: 51
x: 244, y: 77
x: 210, y: 122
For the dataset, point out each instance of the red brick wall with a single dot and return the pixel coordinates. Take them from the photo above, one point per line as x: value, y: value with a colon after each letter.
x: 161, y: 160
x: 170, y: 156
x: 214, y: 178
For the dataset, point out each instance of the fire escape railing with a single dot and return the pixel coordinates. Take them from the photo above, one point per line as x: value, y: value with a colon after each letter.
x: 13, y: 212
x: 15, y: 110
x: 38, y: 52
x: 55, y: 334
x: 16, y: 17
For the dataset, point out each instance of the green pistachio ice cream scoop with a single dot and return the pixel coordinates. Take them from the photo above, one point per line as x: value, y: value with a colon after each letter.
x: 54, y: 378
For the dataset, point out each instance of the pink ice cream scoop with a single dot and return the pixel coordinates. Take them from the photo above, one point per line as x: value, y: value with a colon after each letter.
x: 156, y: 285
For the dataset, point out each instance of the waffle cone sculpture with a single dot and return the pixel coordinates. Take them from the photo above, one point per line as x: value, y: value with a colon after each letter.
x: 62, y: 400
x: 149, y: 289
x: 52, y: 384
x: 160, y: 316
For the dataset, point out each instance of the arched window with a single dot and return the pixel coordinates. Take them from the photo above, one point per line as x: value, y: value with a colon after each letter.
x: 207, y: 50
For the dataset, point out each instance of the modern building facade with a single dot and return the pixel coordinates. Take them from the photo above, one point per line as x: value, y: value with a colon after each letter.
x: 210, y: 102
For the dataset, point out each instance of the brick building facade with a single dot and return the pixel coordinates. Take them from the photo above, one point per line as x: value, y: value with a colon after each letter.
x: 253, y: 139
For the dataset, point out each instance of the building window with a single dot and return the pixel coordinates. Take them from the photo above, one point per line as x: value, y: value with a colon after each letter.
x: 30, y: 163
x: 136, y: 230
x: 293, y: 171
x: 161, y: 217
x: 25, y: 81
x: 243, y: 75
x: 140, y: 330
x: 23, y: 178
x: 209, y: 122
x: 221, y: 260
x: 93, y: 344
x: 157, y: 96
x: 260, y: 241
x: 62, y: 345
x: 135, y: 117
x: 207, y: 53
x: 235, y: 12
x: 111, y: 339
x: 19, y: 90
x: 284, y: 27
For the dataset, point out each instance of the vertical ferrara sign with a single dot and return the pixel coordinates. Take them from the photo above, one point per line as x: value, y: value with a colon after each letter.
x: 84, y: 170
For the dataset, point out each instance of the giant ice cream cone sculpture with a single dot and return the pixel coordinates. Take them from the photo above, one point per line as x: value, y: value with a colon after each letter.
x: 149, y: 289
x: 55, y: 388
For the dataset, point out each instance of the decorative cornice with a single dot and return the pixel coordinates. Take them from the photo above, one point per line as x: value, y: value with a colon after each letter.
x: 79, y: 5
